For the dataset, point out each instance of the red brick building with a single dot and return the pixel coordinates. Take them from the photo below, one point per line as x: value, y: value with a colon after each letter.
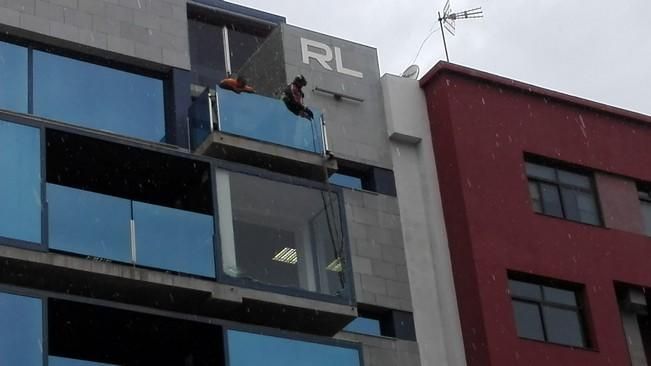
x: 546, y: 203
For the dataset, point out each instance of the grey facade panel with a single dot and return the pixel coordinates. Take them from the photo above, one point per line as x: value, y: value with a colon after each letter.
x: 152, y: 30
x: 378, y: 251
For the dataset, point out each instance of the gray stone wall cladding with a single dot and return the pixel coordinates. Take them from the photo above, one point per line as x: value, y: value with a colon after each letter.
x: 382, y: 351
x: 153, y: 30
x: 378, y: 256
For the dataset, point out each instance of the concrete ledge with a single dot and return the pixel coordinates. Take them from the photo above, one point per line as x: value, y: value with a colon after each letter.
x: 267, y: 156
x: 128, y: 284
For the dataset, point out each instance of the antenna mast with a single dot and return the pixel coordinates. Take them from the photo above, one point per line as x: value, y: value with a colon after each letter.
x: 448, y: 19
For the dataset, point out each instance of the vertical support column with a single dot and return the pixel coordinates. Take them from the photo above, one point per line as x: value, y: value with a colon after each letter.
x: 226, y: 231
x: 227, y: 51
x: 178, y: 100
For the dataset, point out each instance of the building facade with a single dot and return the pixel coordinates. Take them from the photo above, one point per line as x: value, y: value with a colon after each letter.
x: 148, y: 217
x: 546, y: 205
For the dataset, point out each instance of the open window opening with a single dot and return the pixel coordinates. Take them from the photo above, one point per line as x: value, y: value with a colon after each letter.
x: 89, y: 334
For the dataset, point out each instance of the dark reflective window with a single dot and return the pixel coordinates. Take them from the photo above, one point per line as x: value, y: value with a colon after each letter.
x: 13, y: 77
x: 174, y: 239
x: 528, y: 320
x: 547, y: 313
x: 98, y: 97
x: 645, y: 203
x: 21, y: 330
x: 20, y: 185
x: 562, y: 193
x: 364, y: 326
x: 281, y: 234
x: 246, y: 349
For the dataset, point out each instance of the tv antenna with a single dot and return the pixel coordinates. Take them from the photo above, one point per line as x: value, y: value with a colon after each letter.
x: 449, y: 18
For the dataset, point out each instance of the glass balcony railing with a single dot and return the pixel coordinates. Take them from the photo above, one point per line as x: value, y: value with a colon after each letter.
x: 267, y: 119
x: 122, y: 230
x: 61, y: 361
x: 255, y: 117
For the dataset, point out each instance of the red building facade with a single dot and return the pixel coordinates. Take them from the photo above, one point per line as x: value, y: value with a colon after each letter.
x: 506, y: 229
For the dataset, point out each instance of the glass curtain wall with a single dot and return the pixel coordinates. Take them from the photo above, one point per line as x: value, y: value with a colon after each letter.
x: 21, y: 330
x: 81, y: 93
x: 246, y: 349
x: 20, y: 186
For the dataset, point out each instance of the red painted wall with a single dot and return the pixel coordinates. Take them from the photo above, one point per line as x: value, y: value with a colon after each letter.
x: 481, y: 128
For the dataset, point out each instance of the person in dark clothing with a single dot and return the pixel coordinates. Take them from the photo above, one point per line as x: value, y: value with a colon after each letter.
x: 293, y: 98
x: 238, y: 85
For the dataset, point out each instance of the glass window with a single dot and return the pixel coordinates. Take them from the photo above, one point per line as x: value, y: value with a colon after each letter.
x: 281, y: 234
x: 13, y: 77
x: 20, y: 186
x: 242, y: 45
x: 555, y: 317
x: 364, y: 326
x: 562, y: 193
x: 174, y: 239
x: 645, y: 203
x: 528, y: 321
x: 98, y: 97
x: 245, y: 349
x: 206, y: 53
x: 21, y: 330
x: 346, y: 181
x: 97, y: 226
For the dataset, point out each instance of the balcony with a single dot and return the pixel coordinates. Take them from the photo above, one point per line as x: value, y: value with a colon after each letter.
x: 260, y: 131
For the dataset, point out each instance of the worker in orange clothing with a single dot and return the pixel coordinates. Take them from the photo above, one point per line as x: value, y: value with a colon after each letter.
x: 293, y: 97
x: 238, y: 85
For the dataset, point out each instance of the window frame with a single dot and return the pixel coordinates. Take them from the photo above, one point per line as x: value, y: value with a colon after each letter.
x: 580, y: 309
x: 560, y: 186
x: 644, y: 195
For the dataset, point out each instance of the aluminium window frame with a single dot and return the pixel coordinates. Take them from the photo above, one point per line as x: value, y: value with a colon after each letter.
x: 559, y: 185
x: 580, y: 309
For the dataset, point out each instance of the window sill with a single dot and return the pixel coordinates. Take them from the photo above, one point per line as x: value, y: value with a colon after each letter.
x: 587, y: 349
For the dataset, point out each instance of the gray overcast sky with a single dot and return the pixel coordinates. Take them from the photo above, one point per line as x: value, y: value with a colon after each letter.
x: 599, y: 50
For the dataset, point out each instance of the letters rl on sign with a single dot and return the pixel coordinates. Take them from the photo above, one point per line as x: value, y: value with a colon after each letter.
x: 323, y: 54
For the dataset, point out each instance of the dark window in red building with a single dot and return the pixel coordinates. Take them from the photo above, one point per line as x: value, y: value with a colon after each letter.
x: 645, y: 204
x: 548, y: 313
x: 562, y: 193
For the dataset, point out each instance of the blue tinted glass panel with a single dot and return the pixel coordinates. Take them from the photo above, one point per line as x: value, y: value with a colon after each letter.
x: 98, y: 97
x: 268, y: 119
x: 60, y: 361
x: 245, y: 349
x: 174, y: 239
x: 21, y: 330
x: 364, y: 326
x: 89, y: 223
x: 20, y: 185
x: 346, y: 181
x: 13, y: 77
